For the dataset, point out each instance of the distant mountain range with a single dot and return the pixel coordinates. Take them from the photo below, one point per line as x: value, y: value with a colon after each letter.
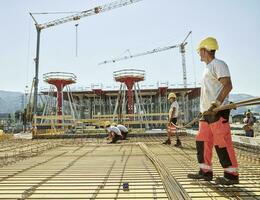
x: 13, y: 101
x: 241, y: 110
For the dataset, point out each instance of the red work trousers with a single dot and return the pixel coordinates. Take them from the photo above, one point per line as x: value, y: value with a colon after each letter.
x: 218, y: 134
x: 171, y: 129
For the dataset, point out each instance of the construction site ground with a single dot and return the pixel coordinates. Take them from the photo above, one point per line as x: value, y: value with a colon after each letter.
x: 138, y: 168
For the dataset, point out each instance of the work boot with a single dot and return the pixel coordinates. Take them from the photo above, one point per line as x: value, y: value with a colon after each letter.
x: 207, y: 176
x: 226, y: 181
x: 167, y: 142
x: 178, y: 143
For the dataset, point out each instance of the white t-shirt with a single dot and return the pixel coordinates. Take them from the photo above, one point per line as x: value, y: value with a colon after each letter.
x: 122, y: 128
x: 210, y: 84
x: 114, y: 130
x: 176, y: 106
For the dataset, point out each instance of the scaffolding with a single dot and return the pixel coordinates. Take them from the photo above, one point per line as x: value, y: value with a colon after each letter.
x: 129, y: 87
x: 98, y: 103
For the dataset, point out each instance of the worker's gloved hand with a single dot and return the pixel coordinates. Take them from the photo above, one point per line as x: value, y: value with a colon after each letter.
x: 214, y: 105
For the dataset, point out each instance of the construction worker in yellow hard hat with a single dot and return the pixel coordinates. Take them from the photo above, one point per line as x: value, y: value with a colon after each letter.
x: 124, y: 131
x: 113, y: 132
x: 214, y: 129
x: 207, y: 46
x: 173, y: 114
x: 122, y: 128
x: 171, y: 95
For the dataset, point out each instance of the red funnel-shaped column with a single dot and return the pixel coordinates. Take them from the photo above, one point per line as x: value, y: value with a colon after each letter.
x: 59, y: 98
x: 59, y: 80
x: 129, y: 77
x: 130, y: 97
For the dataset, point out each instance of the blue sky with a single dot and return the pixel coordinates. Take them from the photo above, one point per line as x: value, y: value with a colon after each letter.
x: 138, y: 27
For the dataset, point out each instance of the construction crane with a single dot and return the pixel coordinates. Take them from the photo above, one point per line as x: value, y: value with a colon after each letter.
x: 39, y: 27
x: 156, y: 50
x: 138, y: 54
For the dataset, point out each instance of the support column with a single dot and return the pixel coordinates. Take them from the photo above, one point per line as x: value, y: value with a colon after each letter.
x: 130, y: 103
x: 59, y: 99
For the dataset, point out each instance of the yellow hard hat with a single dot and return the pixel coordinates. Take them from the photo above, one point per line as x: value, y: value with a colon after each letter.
x: 113, y: 124
x: 208, y: 43
x: 107, y: 123
x: 171, y: 95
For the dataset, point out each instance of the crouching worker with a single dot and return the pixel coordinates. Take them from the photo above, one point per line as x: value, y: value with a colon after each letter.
x: 113, y: 132
x: 123, y: 129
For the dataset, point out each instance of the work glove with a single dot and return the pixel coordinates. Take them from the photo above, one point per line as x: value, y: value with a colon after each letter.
x: 214, y: 105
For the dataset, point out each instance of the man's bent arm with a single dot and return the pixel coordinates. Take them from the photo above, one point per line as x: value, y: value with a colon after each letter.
x: 227, y: 87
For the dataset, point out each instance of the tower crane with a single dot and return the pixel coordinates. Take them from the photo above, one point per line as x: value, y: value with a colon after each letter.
x: 39, y: 27
x: 156, y: 50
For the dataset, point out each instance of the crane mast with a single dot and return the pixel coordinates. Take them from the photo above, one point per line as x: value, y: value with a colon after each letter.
x: 182, y: 51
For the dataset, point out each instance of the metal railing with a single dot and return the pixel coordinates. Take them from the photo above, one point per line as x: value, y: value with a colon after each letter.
x: 129, y: 73
x: 60, y: 76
